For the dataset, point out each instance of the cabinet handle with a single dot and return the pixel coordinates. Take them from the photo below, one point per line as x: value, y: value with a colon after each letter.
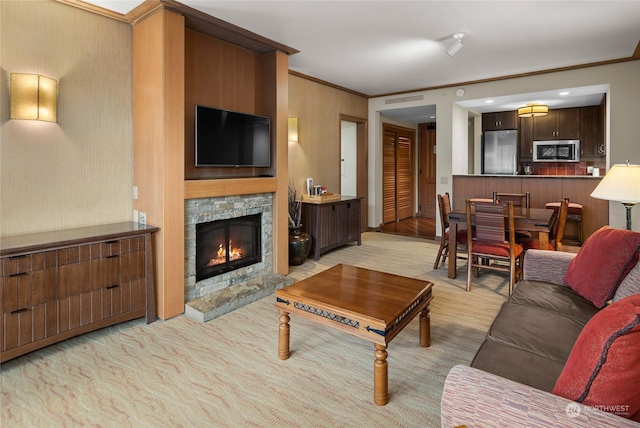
x: 17, y: 311
x: 112, y: 286
x: 333, y: 207
x: 17, y: 274
x: 112, y: 256
x: 349, y: 205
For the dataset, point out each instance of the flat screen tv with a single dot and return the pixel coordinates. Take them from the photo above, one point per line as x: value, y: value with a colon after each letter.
x: 227, y: 138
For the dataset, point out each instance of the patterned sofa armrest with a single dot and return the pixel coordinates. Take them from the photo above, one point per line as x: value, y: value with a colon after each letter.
x: 547, y: 266
x: 475, y: 398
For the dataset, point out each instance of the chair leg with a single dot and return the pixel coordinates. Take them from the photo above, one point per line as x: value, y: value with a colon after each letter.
x: 469, y: 271
x: 441, y: 254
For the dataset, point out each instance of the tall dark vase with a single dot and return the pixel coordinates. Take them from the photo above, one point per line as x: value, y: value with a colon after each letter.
x: 299, y: 246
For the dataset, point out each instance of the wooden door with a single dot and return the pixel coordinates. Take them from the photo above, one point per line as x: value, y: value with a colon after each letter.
x: 389, y: 176
x: 427, y: 171
x: 398, y: 194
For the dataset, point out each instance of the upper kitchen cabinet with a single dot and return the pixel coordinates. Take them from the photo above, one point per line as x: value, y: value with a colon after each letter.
x: 560, y: 124
x: 525, y: 135
x: 591, y: 133
x: 501, y: 120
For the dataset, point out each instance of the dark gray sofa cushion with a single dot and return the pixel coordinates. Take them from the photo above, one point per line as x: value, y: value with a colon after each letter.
x: 555, y: 298
x: 536, y: 330
x: 533, y: 334
x: 518, y: 365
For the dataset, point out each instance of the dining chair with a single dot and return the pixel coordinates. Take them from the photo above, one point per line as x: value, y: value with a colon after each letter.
x: 557, y: 231
x: 519, y: 199
x: 488, y: 243
x: 444, y: 204
x: 522, y: 200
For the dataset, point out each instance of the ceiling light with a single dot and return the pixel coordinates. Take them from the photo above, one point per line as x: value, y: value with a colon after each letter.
x: 457, y: 45
x: 564, y: 93
x: 533, y: 110
x: 488, y: 102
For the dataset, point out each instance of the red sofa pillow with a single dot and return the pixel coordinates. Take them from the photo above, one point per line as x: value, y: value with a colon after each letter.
x: 602, y: 263
x: 603, y: 368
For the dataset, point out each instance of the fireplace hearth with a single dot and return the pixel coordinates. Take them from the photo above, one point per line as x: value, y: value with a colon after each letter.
x: 228, y: 244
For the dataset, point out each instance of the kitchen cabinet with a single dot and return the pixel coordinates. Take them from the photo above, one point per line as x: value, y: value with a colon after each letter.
x: 560, y: 124
x: 591, y: 134
x: 500, y: 121
x: 525, y: 135
x: 332, y: 223
x: 56, y: 285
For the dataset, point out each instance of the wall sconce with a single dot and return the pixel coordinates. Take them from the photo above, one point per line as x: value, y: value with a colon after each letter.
x: 293, y: 129
x: 34, y: 97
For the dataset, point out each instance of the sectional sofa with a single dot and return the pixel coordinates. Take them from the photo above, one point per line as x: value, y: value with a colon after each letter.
x: 564, y: 350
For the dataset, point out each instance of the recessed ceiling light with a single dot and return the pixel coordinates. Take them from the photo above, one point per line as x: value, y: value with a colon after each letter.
x: 564, y: 93
x: 432, y: 117
x: 488, y: 101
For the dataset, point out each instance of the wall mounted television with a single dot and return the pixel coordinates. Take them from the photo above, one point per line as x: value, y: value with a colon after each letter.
x: 226, y: 138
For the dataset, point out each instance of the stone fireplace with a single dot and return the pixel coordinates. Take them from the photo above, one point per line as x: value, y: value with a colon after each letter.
x: 245, y: 220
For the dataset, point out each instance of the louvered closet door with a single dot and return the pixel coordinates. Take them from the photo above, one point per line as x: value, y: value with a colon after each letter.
x: 389, y: 176
x: 404, y: 176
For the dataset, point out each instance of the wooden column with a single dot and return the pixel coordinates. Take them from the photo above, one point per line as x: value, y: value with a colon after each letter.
x: 158, y: 134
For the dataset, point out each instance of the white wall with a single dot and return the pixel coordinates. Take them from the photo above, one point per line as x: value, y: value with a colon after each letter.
x: 623, y: 136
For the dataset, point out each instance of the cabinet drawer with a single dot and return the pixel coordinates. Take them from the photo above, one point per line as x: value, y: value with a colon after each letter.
x: 20, y: 264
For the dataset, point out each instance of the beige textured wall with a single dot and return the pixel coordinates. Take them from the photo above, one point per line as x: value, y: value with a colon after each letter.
x: 318, y: 108
x: 77, y: 172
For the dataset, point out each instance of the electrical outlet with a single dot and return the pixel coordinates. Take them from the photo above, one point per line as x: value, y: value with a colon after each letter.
x: 142, y: 218
x: 136, y: 217
x: 134, y: 192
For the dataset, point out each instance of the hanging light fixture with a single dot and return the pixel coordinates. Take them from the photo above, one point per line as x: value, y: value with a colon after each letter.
x: 457, y: 45
x: 533, y: 110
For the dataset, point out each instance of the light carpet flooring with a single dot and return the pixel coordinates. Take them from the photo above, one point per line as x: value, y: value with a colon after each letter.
x: 226, y: 373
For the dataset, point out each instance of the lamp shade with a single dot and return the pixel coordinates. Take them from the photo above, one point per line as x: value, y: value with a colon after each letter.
x: 34, y: 97
x: 293, y: 129
x: 621, y: 184
x: 533, y: 110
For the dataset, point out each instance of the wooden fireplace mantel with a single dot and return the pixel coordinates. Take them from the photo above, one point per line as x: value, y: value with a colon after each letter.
x: 195, y: 189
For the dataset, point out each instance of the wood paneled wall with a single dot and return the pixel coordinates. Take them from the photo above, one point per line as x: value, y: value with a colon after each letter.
x: 318, y: 108
x: 544, y: 189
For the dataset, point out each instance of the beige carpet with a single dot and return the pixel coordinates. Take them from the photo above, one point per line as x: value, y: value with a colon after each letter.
x: 225, y: 373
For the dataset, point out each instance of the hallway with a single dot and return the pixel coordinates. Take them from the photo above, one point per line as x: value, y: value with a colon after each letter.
x: 418, y: 227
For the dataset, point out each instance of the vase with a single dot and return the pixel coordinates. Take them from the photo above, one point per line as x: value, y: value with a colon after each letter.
x: 299, y: 246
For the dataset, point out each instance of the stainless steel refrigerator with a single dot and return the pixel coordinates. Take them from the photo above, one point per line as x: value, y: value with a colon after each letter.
x: 500, y: 152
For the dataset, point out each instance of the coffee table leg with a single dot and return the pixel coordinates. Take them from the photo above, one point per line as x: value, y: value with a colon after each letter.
x: 380, y: 376
x: 283, y: 336
x: 425, y: 327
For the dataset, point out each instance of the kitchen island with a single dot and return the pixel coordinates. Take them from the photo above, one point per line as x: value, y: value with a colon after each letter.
x: 543, y: 189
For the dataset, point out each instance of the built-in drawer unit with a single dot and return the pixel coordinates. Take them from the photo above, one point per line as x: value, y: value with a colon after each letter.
x: 57, y: 285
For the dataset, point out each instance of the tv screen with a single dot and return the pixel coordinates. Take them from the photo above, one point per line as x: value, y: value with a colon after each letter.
x: 227, y: 138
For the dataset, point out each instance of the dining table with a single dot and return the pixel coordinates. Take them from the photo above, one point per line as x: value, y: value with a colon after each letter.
x: 529, y: 219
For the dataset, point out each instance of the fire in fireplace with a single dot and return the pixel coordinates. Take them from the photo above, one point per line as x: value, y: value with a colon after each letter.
x: 226, y: 245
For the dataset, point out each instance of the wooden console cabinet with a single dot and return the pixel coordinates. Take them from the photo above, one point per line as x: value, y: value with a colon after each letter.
x: 331, y: 224
x: 56, y: 285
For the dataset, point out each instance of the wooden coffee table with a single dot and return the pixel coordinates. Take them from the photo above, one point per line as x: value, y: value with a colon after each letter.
x: 375, y: 306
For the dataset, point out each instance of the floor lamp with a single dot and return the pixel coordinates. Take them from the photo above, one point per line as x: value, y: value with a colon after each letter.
x: 622, y: 184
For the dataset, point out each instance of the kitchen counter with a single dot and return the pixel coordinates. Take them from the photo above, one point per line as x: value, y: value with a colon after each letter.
x: 543, y: 189
x: 531, y: 176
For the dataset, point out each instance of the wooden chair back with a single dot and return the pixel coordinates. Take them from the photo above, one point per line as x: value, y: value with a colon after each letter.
x: 562, y: 220
x: 519, y: 199
x: 490, y: 222
x: 444, y: 205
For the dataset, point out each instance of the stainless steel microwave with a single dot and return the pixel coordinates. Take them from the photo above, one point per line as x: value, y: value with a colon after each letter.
x: 556, y: 151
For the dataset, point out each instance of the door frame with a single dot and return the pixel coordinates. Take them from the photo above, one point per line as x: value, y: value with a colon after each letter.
x: 362, y: 164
